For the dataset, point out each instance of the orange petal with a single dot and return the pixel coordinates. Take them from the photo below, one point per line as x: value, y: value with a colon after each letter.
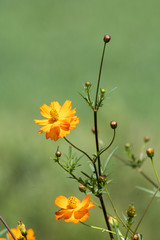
x: 84, y: 204
x: 63, y: 213
x: 54, y: 133
x: 45, y: 111
x: 42, y: 122
x: 61, y: 202
x: 56, y: 106
x: 46, y: 128
x: 66, y: 107
x: 82, y: 215
x: 74, y: 122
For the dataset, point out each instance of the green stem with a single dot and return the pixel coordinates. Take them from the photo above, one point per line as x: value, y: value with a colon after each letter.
x: 107, y: 146
x: 155, y: 171
x: 80, y: 150
x: 99, y: 77
x: 129, y: 224
x: 98, y: 228
x: 105, y: 215
x: 115, y: 210
x: 7, y: 227
x: 146, y: 210
x: 74, y: 176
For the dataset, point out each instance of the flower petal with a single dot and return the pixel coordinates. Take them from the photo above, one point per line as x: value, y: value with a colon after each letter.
x: 82, y: 215
x: 56, y: 106
x: 54, y: 133
x: 45, y: 111
x: 66, y: 107
x: 42, y: 122
x: 61, y: 202
x: 63, y: 213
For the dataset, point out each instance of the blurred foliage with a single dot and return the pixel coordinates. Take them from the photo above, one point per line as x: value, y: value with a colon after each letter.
x: 48, y: 49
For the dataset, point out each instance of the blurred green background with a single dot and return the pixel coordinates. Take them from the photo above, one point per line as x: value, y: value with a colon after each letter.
x: 48, y: 49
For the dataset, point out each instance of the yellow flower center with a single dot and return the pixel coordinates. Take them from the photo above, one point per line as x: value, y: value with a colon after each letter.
x: 72, y: 202
x: 54, y: 114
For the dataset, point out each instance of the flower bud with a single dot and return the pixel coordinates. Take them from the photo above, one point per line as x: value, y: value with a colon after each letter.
x: 135, y: 237
x: 127, y: 146
x: 146, y: 139
x: 150, y: 152
x: 103, y: 178
x: 22, y: 228
x: 131, y: 211
x: 87, y: 84
x: 110, y: 219
x: 103, y: 90
x: 58, y: 154
x: 107, y: 38
x: 113, y: 124
x: 82, y: 188
x: 93, y: 129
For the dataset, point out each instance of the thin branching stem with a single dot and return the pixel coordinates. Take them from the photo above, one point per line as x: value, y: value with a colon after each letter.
x: 146, y: 209
x: 94, y: 165
x: 105, y: 215
x: 73, y: 176
x: 80, y: 150
x: 115, y: 210
x: 99, y: 77
x: 139, y: 170
x: 7, y: 227
x: 97, y: 228
x: 155, y: 171
x: 107, y: 146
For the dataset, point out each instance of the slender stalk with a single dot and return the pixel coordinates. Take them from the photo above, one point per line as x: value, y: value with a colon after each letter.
x: 99, y: 77
x: 127, y: 231
x: 146, y: 177
x: 140, y: 171
x: 96, y: 139
x: 5, y: 224
x: 97, y: 228
x: 146, y: 210
x: 107, y: 146
x: 105, y: 216
x: 95, y: 168
x: 80, y: 150
x: 73, y: 176
x: 115, y: 210
x: 155, y: 171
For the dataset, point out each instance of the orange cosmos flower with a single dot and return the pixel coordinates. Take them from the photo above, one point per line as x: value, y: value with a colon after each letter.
x: 58, y: 120
x: 17, y: 233
x: 72, y: 210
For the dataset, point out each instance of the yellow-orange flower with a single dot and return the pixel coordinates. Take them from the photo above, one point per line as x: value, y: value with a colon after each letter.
x: 72, y: 210
x: 2, y: 238
x: 58, y: 120
x: 18, y: 235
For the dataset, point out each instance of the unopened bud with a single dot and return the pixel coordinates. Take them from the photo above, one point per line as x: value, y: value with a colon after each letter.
x: 127, y: 146
x: 113, y: 124
x: 93, y: 129
x: 131, y: 211
x: 146, y: 139
x: 87, y: 84
x: 22, y: 228
x: 107, y: 38
x: 103, y: 90
x: 82, y: 188
x: 103, y: 178
x: 58, y: 154
x: 111, y: 219
x: 135, y: 237
x: 150, y: 152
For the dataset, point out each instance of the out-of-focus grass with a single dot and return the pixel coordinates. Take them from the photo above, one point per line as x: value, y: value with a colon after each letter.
x: 48, y: 49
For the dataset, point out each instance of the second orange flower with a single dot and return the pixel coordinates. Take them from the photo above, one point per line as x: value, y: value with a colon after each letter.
x: 58, y: 120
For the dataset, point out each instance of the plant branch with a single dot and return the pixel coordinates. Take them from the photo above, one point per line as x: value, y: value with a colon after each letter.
x: 7, y: 227
x: 146, y: 210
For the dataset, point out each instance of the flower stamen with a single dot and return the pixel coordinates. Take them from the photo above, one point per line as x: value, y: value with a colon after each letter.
x: 72, y: 202
x: 54, y: 114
